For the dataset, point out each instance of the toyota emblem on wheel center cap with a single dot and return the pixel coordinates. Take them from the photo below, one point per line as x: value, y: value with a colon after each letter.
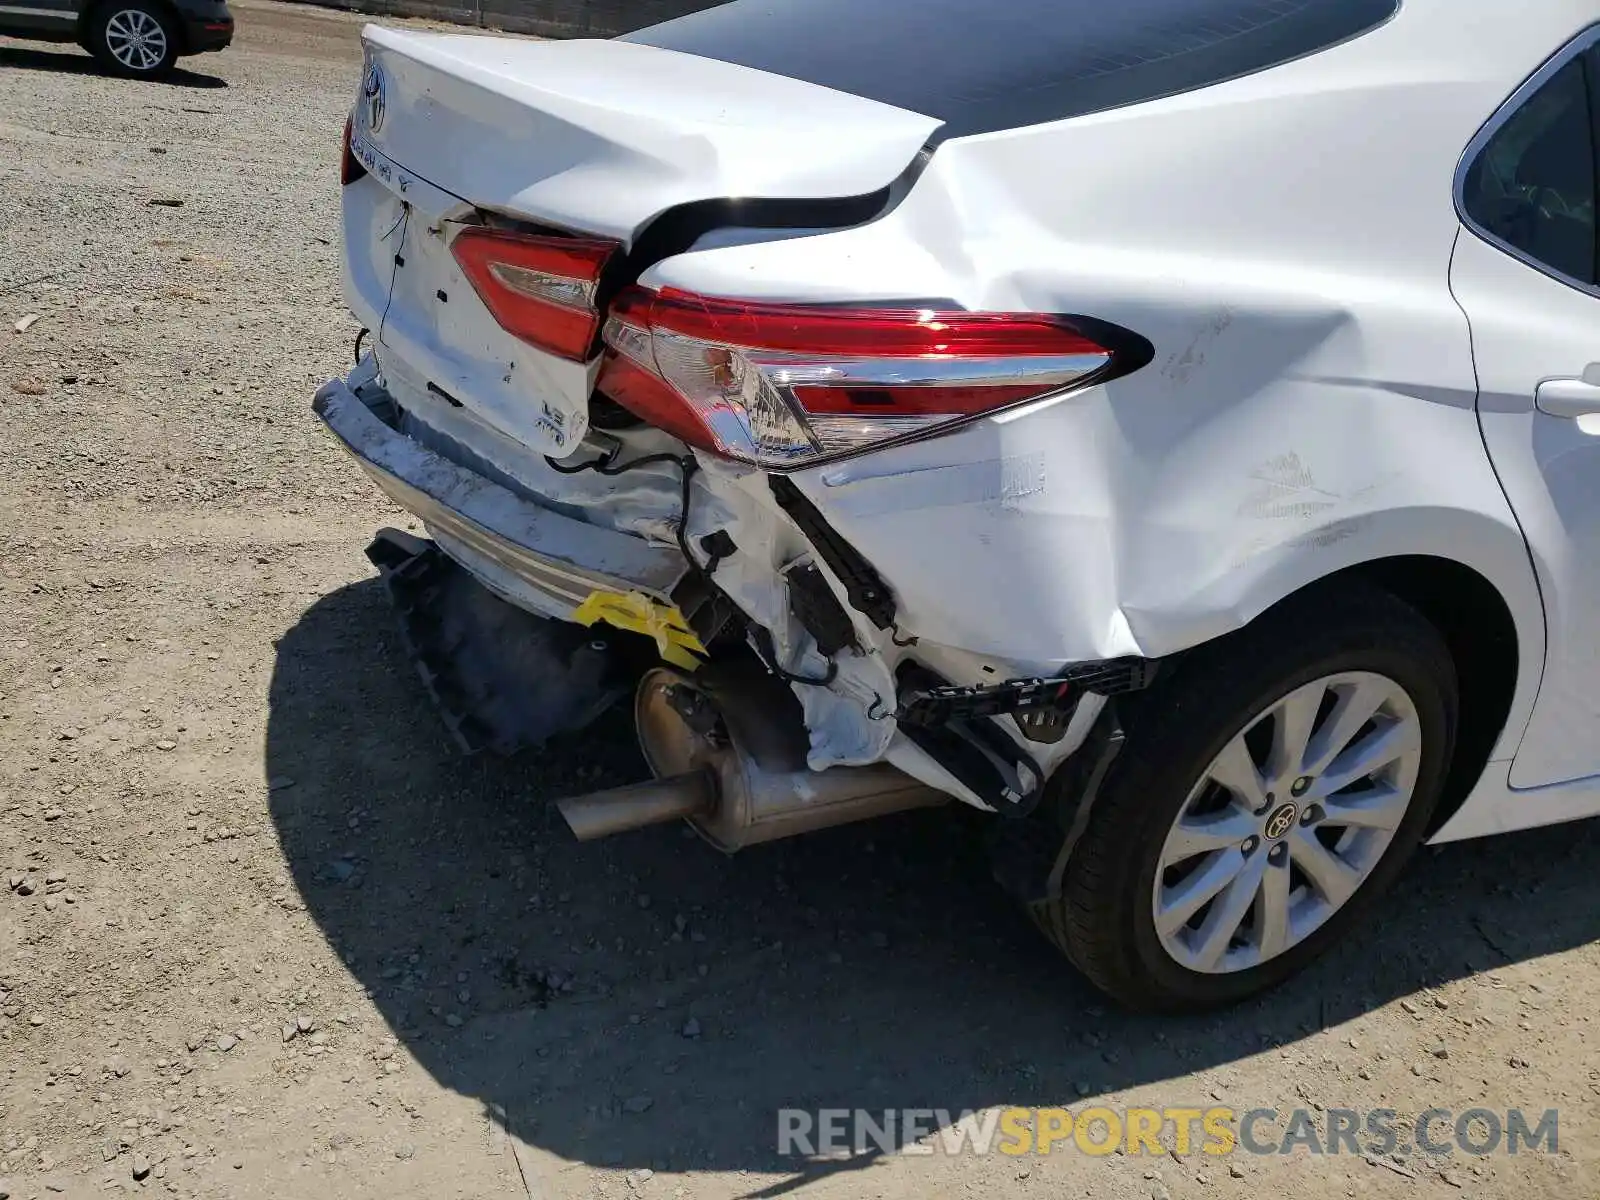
x: 1281, y: 821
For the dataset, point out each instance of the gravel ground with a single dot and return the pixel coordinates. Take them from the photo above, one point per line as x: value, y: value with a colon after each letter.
x: 265, y: 936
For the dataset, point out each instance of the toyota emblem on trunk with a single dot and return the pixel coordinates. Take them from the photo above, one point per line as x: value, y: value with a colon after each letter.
x: 372, y: 88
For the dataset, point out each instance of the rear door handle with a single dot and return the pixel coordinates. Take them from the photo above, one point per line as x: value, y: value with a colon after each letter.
x: 1571, y: 397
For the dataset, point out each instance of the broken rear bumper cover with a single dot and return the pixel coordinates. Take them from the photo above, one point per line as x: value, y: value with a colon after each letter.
x: 932, y: 712
x: 532, y: 556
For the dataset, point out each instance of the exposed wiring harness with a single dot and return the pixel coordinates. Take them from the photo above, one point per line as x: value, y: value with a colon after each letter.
x: 688, y: 464
x: 607, y: 465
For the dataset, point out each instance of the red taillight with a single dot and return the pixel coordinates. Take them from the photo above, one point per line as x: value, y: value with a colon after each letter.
x: 350, y: 168
x: 542, y: 289
x: 785, y: 386
x: 647, y: 396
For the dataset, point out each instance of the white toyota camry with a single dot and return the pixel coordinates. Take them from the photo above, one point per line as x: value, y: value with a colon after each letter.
x: 1171, y: 427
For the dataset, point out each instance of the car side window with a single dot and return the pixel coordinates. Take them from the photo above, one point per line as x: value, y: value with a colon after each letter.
x: 1532, y: 185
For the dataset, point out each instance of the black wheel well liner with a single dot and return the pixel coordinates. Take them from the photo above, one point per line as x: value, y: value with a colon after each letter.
x: 1477, y: 626
x: 1478, y: 631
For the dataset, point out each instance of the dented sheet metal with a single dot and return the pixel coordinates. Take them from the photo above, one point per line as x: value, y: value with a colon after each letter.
x: 847, y: 716
x: 604, y: 135
x: 644, y: 502
x: 536, y: 557
x: 1309, y: 363
x: 1310, y: 366
x: 1280, y: 433
x: 1002, y: 483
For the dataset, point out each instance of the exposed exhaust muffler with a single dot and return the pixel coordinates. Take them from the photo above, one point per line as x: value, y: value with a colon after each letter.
x: 729, y: 753
x: 600, y: 814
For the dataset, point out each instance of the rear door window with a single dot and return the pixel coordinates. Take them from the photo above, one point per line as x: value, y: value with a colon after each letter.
x: 1531, y: 186
x: 981, y: 67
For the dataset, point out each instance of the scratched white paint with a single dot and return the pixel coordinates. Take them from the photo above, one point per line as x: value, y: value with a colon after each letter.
x: 1310, y: 404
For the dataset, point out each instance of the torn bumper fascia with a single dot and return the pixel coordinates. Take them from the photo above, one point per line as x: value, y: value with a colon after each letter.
x: 851, y: 718
x: 548, y: 562
x: 535, y: 557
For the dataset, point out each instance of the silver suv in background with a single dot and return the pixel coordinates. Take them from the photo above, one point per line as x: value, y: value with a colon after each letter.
x: 142, y: 38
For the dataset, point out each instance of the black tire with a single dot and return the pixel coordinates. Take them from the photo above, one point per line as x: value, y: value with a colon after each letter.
x: 114, y: 18
x: 1103, y: 919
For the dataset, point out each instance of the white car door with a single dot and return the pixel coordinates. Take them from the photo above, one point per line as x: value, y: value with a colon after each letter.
x: 1525, y: 273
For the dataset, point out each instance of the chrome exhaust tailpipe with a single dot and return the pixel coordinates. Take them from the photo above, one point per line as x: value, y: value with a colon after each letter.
x: 729, y: 753
x: 600, y: 814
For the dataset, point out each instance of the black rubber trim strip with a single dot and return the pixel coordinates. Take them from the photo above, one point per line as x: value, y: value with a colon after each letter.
x: 868, y: 593
x: 978, y: 753
x: 935, y: 706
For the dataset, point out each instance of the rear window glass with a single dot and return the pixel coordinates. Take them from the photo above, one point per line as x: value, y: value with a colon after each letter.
x: 980, y: 67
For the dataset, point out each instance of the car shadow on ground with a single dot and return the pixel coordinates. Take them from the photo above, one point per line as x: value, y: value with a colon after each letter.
x: 873, y: 966
x: 72, y: 62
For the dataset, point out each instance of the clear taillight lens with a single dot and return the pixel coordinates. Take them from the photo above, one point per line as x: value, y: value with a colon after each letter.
x: 784, y: 386
x: 542, y: 289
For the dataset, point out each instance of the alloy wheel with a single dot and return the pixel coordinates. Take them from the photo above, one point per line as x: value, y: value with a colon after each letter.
x: 136, y: 39
x: 1287, y: 822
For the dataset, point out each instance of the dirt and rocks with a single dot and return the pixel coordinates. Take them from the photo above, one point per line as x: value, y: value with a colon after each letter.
x: 262, y: 934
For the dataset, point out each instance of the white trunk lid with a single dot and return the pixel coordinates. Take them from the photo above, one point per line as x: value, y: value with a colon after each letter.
x: 602, y: 136
x: 592, y: 137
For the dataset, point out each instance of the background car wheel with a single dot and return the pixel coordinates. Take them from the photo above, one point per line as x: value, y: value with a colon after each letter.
x: 1272, y: 785
x: 134, y: 38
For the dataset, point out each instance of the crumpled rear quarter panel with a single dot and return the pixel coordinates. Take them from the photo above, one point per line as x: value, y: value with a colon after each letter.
x: 1310, y: 404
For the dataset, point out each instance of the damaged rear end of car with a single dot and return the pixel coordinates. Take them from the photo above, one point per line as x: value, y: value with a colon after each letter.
x: 950, y: 422
x: 617, y: 477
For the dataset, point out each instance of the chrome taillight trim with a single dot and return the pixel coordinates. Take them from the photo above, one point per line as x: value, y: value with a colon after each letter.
x: 786, y: 370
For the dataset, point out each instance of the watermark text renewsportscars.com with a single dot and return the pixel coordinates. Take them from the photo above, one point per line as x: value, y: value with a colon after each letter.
x: 1100, y: 1130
